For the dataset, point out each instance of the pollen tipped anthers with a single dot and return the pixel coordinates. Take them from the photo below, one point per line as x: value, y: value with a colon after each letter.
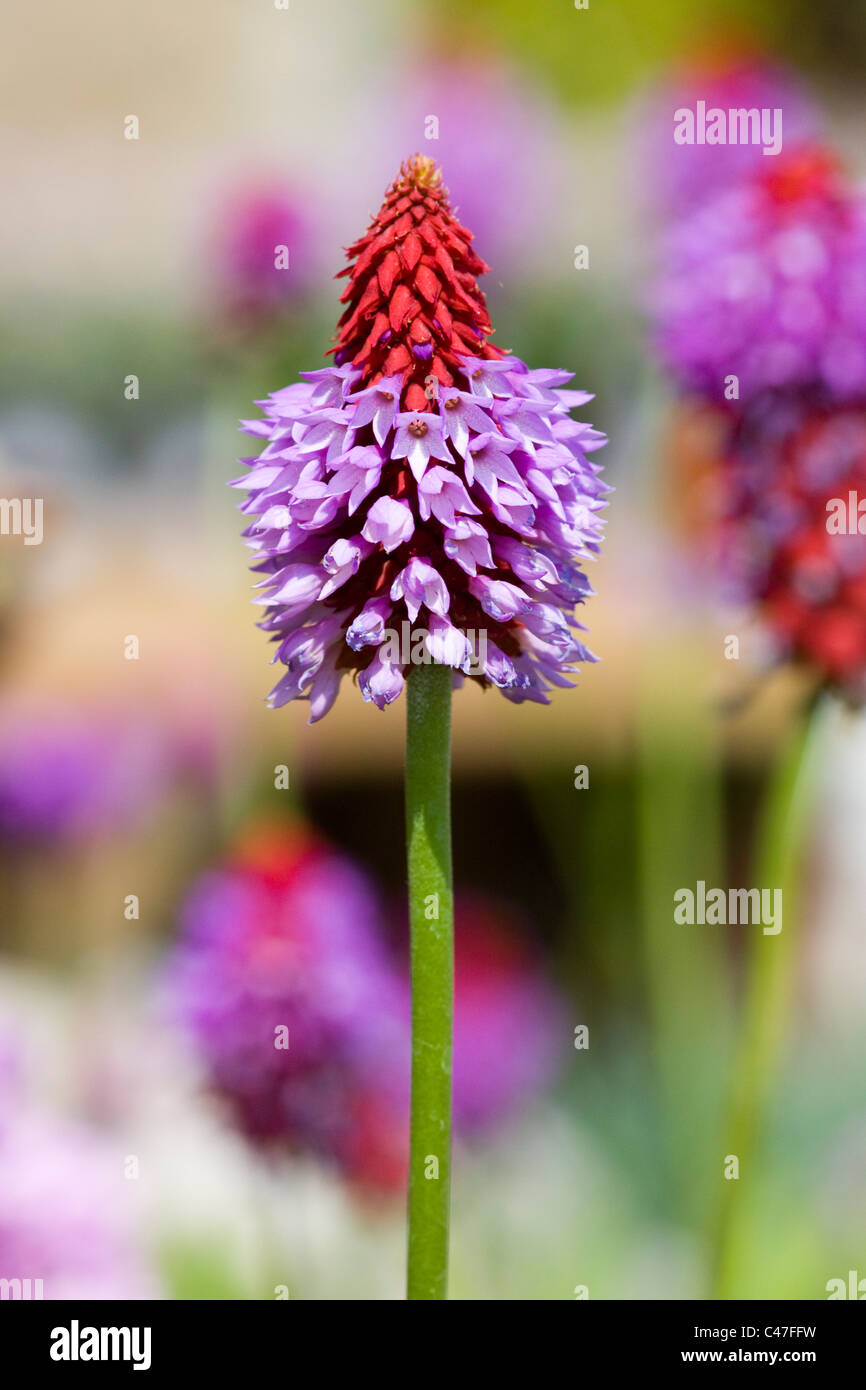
x: 427, y: 497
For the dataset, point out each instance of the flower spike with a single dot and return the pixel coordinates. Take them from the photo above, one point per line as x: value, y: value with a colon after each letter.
x: 427, y: 485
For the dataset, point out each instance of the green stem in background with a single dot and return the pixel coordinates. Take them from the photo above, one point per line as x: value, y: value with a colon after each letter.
x: 680, y: 841
x: 431, y: 921
x: 770, y: 981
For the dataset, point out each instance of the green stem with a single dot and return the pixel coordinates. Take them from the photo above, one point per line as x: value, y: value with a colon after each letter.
x: 681, y: 840
x: 770, y: 980
x: 431, y: 921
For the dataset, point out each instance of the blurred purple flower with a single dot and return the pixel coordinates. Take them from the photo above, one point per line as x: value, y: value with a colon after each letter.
x: 263, y: 252
x: 285, y: 937
x: 69, y: 774
x: 677, y: 178
x: 289, y: 936
x: 767, y: 283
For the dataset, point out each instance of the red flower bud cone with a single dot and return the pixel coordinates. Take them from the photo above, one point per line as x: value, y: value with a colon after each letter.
x: 412, y: 302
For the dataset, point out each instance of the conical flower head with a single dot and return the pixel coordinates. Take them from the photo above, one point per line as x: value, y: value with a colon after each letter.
x: 428, y: 497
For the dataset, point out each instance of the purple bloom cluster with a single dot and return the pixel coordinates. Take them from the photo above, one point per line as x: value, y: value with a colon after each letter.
x: 767, y: 283
x: 468, y: 520
x: 281, y: 980
x: 678, y: 177
x: 287, y: 944
x: 250, y: 273
x: 762, y: 309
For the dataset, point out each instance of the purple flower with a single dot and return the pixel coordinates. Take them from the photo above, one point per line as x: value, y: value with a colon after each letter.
x: 68, y: 775
x: 767, y: 284
x: 281, y: 979
x: 382, y: 681
x: 357, y: 475
x: 443, y: 495
x: 263, y: 252
x: 446, y: 643
x: 326, y: 431
x: 460, y: 413
x: 378, y: 405
x: 389, y: 522
x: 369, y: 626
x: 390, y: 477
x: 331, y: 386
x: 488, y: 377
x: 467, y: 542
x: 487, y: 461
x: 678, y: 177
x: 420, y: 584
x: 342, y: 561
x: 300, y: 1015
x: 418, y: 439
